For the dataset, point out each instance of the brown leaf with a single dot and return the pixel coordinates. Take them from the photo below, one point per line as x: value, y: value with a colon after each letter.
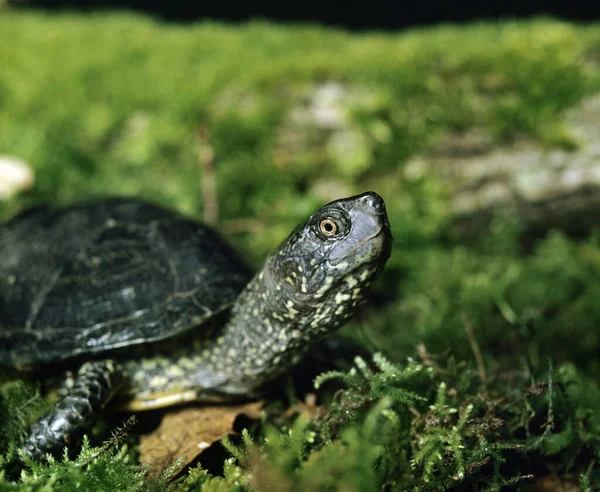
x: 189, y: 431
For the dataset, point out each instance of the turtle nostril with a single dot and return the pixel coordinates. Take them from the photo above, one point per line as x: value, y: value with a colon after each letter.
x: 374, y: 202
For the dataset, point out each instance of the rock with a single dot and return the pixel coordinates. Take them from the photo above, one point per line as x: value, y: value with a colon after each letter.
x: 545, y: 188
x: 15, y: 176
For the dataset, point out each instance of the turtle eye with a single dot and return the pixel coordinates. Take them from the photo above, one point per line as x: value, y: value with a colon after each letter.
x: 328, y: 227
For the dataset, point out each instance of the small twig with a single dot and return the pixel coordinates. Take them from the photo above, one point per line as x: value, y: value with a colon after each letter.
x: 116, y: 437
x: 236, y: 226
x: 549, y: 424
x: 475, y: 348
x: 414, y: 411
x: 208, y: 185
x: 428, y: 359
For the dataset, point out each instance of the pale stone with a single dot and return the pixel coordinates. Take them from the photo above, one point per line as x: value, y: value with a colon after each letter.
x: 15, y: 176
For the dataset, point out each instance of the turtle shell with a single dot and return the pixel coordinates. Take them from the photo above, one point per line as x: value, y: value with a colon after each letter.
x: 106, y: 274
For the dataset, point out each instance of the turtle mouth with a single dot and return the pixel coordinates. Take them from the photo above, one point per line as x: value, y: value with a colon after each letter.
x: 376, y: 246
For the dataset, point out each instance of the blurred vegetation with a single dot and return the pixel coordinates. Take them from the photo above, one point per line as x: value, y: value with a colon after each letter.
x: 122, y: 105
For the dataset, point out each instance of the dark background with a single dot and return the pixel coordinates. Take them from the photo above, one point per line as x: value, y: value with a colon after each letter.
x: 373, y: 14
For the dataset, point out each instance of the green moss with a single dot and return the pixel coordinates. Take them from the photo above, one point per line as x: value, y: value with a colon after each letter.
x: 111, y: 104
x: 114, y: 105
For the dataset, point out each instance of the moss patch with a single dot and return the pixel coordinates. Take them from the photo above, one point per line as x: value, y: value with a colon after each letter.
x: 122, y: 105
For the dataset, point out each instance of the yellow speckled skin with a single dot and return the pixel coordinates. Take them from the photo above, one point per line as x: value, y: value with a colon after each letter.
x: 293, y: 301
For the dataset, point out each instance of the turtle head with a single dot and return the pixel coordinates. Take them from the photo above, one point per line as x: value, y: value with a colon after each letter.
x: 309, y: 286
x: 325, y: 266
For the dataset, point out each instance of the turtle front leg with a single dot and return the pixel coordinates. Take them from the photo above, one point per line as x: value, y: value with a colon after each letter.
x: 66, y: 423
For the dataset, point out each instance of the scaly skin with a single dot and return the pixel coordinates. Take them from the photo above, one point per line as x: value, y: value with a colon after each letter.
x: 301, y: 294
x: 64, y: 425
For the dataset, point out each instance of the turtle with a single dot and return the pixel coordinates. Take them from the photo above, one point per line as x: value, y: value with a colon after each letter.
x: 150, y: 308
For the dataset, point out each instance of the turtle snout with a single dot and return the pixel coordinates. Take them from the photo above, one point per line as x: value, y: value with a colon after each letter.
x: 373, y: 204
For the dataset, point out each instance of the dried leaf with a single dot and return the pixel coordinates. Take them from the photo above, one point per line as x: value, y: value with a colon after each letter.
x: 189, y: 431
x: 554, y: 483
